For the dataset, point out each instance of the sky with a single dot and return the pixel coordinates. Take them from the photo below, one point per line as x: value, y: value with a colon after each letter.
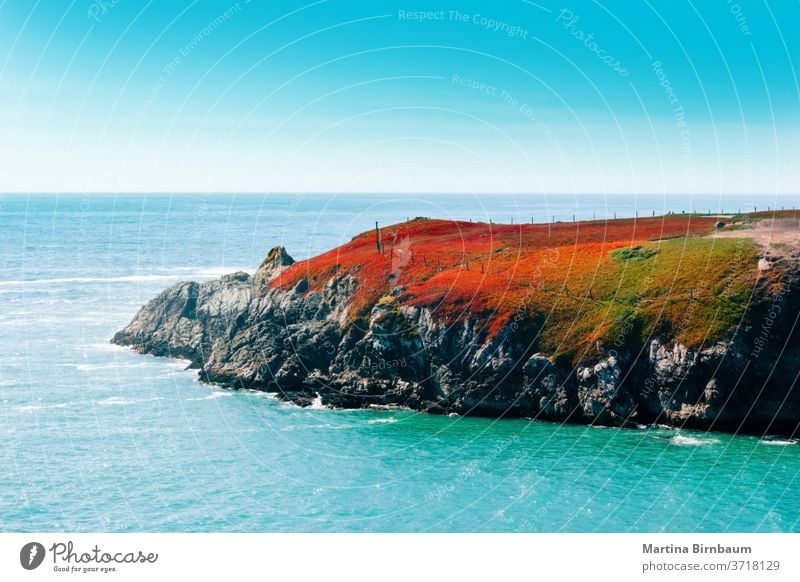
x: 403, y: 96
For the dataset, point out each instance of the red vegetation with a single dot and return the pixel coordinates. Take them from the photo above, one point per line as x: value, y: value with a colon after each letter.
x: 465, y: 268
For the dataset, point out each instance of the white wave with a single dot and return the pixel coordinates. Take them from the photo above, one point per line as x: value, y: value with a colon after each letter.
x: 178, y: 372
x: 324, y: 426
x: 35, y: 407
x: 120, y: 279
x: 108, y: 347
x: 261, y: 394
x: 108, y: 366
x: 382, y: 421
x: 177, y: 363
x: 194, y: 273
x: 317, y: 404
x: 687, y: 441
x: 778, y: 442
x: 213, y: 271
x: 122, y: 401
x: 26, y: 320
x: 385, y: 407
x: 212, y: 396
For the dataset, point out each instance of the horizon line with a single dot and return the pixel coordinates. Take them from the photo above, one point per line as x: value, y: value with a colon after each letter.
x: 386, y: 193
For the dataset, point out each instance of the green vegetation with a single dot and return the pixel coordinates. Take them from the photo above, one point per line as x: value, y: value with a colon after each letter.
x: 693, y: 290
x: 632, y: 253
x: 569, y: 289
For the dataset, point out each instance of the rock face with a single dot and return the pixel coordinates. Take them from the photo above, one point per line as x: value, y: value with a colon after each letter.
x: 303, y: 344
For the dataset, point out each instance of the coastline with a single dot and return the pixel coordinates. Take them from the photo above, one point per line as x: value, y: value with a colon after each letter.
x: 371, y: 324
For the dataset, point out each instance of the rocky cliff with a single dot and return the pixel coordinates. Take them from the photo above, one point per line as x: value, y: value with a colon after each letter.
x: 615, y: 323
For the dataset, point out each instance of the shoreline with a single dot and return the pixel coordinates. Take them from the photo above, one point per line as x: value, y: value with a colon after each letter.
x: 503, y: 321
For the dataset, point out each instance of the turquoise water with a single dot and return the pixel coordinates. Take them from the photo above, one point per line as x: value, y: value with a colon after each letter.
x: 96, y: 438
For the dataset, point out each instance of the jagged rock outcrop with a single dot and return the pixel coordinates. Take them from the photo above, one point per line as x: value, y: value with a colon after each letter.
x: 303, y: 343
x: 276, y: 261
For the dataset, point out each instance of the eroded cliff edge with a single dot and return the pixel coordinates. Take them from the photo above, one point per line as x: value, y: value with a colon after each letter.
x: 688, y: 321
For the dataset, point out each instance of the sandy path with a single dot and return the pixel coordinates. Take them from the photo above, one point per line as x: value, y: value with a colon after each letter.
x: 777, y: 237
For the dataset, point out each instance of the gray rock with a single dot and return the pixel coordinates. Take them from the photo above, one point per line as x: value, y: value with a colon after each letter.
x: 244, y: 332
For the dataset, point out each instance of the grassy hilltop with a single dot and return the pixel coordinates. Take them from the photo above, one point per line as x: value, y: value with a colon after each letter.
x: 686, y: 320
x: 588, y: 286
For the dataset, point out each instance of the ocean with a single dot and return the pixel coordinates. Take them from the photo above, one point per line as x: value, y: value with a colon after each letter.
x: 97, y: 438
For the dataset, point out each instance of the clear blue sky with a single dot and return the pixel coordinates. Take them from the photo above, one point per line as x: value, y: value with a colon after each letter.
x: 507, y: 96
